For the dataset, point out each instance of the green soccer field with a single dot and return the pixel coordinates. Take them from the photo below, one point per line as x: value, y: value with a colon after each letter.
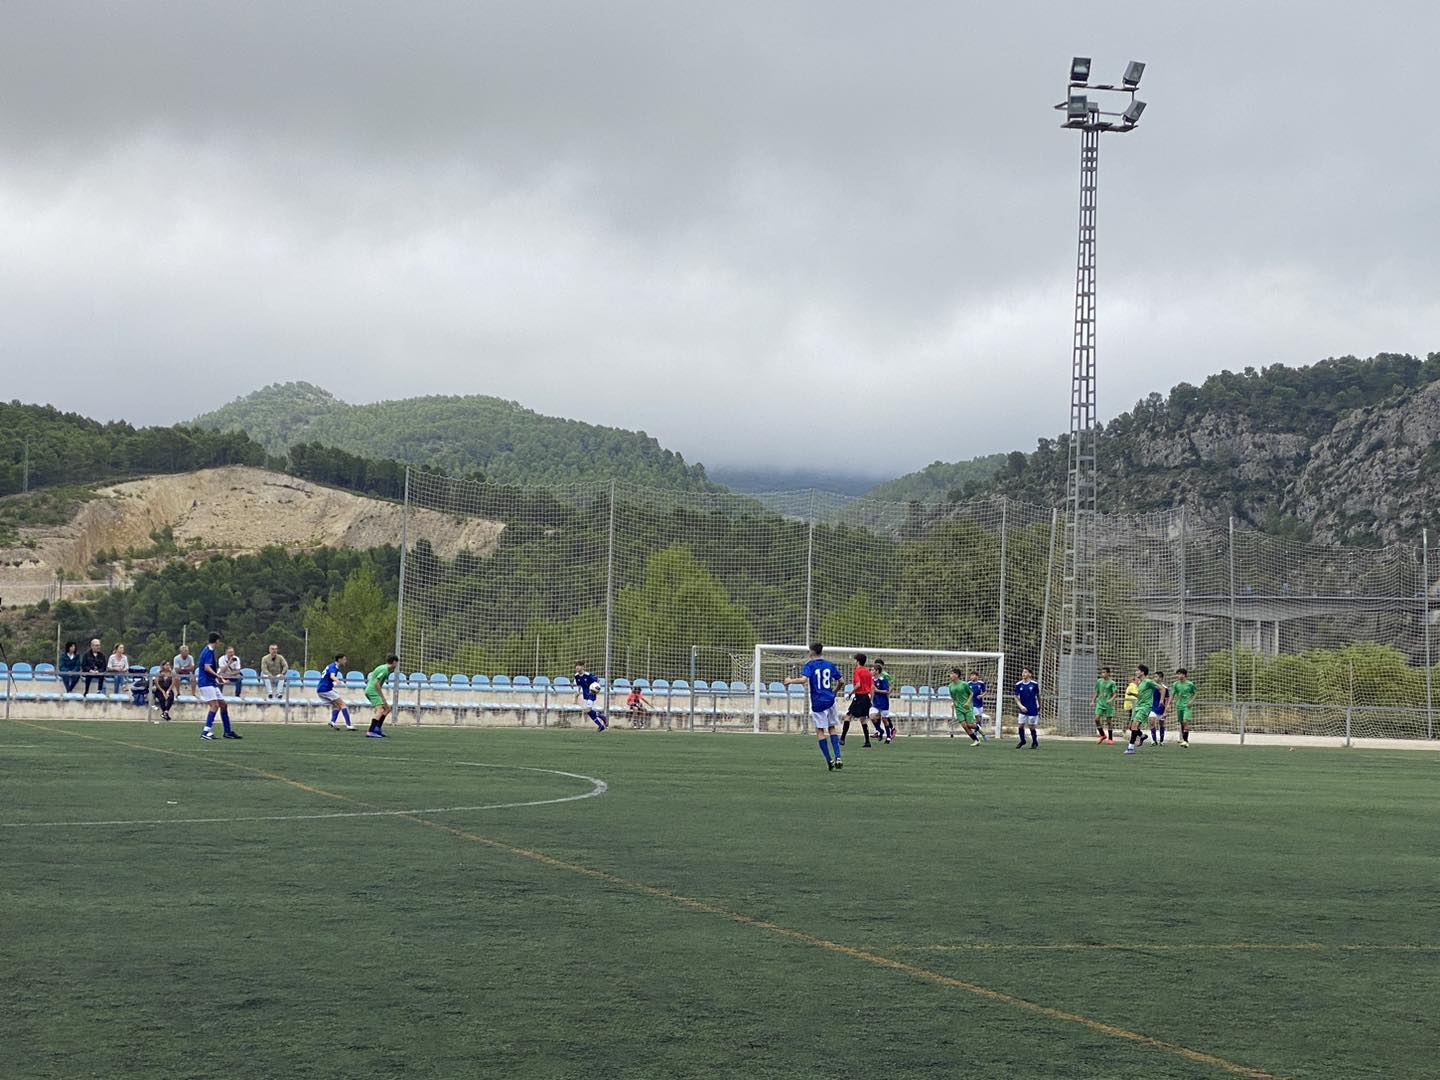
x: 459, y: 903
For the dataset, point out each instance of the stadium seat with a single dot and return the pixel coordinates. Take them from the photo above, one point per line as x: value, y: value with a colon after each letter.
x: 775, y: 688
x: 522, y: 682
x: 249, y: 674
x: 500, y: 683
x: 438, y: 679
x: 418, y: 677
x: 907, y: 691
x: 622, y: 684
x: 542, y: 680
x: 21, y: 672
x: 563, y: 682
x: 355, y: 679
x: 46, y: 669
x: 480, y: 682
x: 796, y: 689
x: 458, y: 682
x: 660, y: 684
x: 701, y: 684
x: 680, y: 686
x: 739, y: 687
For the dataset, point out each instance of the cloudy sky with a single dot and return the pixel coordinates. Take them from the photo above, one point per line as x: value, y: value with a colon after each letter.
x: 826, y: 234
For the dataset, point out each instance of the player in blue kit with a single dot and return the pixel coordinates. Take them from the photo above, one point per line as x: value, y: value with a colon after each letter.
x: 1157, y: 709
x: 208, y: 681
x: 587, y: 688
x: 326, y: 689
x: 977, y: 704
x: 823, y: 679
x: 880, y: 705
x: 1027, y: 697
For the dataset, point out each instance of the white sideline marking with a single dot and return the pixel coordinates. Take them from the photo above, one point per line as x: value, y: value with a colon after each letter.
x: 598, y: 787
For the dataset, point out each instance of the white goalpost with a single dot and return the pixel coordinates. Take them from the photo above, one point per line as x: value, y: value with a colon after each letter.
x: 905, y: 666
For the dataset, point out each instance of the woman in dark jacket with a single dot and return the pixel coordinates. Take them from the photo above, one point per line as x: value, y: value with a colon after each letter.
x: 163, y: 686
x: 70, y: 662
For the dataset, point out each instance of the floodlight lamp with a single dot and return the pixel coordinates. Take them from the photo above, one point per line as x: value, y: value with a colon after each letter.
x: 1132, y: 114
x: 1133, y: 71
x: 1077, y: 108
x: 1080, y: 69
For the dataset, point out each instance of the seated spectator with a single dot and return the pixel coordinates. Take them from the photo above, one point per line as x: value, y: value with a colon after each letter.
x: 637, y: 707
x: 184, y: 667
x: 229, y: 666
x: 92, y: 664
x: 119, y: 668
x: 70, y: 662
x: 163, y: 687
x: 273, y: 668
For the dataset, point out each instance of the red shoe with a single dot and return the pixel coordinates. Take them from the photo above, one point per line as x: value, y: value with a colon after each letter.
x: 1109, y: 742
x: 1102, y: 738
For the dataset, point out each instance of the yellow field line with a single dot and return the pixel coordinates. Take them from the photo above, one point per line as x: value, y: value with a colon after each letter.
x: 1222, y: 946
x: 639, y: 887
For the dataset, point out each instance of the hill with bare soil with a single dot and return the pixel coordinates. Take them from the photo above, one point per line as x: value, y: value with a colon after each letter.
x: 231, y: 510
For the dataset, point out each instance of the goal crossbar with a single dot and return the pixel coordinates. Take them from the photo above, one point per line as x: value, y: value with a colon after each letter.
x: 757, y: 683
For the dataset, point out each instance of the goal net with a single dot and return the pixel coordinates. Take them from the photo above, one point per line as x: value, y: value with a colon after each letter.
x: 919, y: 698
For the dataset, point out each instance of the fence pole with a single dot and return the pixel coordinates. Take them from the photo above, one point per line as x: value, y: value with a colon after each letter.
x: 810, y: 573
x: 609, y: 593
x: 404, y: 543
x: 1425, y: 618
x: 1234, y: 684
x: 1044, y: 610
x: 1000, y: 647
x: 1184, y: 626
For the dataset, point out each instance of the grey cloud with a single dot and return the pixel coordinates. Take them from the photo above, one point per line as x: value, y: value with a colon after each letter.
x: 617, y: 211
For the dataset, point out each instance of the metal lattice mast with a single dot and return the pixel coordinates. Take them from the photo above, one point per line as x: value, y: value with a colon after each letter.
x: 1077, y: 609
x: 1079, y: 631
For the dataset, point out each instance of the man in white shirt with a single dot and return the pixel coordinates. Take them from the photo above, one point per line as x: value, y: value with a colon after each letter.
x: 184, y: 668
x: 229, y: 666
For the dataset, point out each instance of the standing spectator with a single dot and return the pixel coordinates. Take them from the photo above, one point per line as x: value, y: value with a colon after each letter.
x: 184, y: 667
x: 119, y: 668
x: 92, y: 664
x: 70, y: 662
x: 273, y: 669
x: 230, y: 668
x: 163, y: 687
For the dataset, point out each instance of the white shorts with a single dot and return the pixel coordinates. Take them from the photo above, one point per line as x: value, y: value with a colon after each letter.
x: 328, y: 695
x: 1027, y: 718
x: 880, y: 712
x: 208, y: 693
x: 825, y: 718
x: 979, y: 714
x: 1156, y: 716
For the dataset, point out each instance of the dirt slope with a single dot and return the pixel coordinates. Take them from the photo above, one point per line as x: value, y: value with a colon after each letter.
x: 235, y: 510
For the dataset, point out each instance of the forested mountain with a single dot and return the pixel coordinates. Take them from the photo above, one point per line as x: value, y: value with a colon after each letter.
x: 938, y: 479
x: 67, y: 448
x: 1342, y: 451
x: 473, y: 434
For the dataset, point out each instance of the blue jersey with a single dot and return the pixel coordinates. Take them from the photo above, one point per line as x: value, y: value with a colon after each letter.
x: 587, y: 684
x: 882, y: 691
x: 205, y: 667
x: 824, y: 679
x: 1157, y: 705
x: 327, y: 678
x: 977, y: 695
x: 1028, y: 691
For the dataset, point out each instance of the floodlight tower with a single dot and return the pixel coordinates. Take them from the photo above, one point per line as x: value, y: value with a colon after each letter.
x: 1079, y: 644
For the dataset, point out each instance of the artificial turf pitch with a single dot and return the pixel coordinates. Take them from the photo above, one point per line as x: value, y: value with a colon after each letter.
x: 725, y: 908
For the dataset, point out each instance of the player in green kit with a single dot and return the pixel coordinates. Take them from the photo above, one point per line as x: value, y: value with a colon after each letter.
x: 1182, y: 694
x: 1145, y: 688
x: 961, y: 697
x: 1105, y: 706
x: 375, y: 694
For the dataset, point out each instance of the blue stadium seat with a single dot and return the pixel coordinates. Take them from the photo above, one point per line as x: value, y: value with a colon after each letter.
x: 522, y: 682
x: 775, y: 688
x: 248, y: 673
x: 622, y: 684
x: 701, y: 684
x: 796, y: 689
x: 563, y: 682
x: 660, y: 684
x: 542, y: 680
x: 438, y: 678
x: 907, y: 691
x: 681, y: 685
x: 459, y: 682
x: 21, y: 672
x: 739, y: 687
x: 480, y: 682
x: 45, y: 669
x: 418, y: 677
x: 500, y: 682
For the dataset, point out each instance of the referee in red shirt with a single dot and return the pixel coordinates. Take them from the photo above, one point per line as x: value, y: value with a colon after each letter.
x: 864, y: 685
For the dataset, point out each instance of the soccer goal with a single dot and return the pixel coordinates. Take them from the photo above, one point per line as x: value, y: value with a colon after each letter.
x: 917, y: 677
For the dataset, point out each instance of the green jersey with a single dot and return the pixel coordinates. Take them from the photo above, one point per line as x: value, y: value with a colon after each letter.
x: 376, y: 678
x: 960, y: 696
x: 1182, y: 693
x: 1104, y: 693
x: 1144, y: 700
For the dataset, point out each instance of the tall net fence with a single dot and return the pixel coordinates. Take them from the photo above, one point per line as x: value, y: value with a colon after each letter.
x: 644, y: 586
